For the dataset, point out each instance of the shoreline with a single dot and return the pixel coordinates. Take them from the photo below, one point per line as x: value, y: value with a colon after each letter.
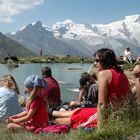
x: 50, y: 59
x: 54, y: 59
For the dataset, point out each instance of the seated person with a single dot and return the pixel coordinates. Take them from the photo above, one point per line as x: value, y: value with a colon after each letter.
x: 127, y: 55
x: 114, y: 89
x: 85, y: 77
x: 52, y: 93
x: 9, y: 91
x: 138, y: 59
x: 90, y: 92
x: 136, y: 88
x: 35, y: 116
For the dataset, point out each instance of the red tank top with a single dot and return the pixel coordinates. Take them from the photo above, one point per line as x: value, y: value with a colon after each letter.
x: 118, y: 87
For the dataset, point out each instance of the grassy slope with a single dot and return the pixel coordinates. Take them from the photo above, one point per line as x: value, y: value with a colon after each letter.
x: 112, y: 132
x: 127, y: 128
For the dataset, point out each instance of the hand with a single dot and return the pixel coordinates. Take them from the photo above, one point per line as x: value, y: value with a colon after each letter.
x: 9, y: 120
x: 74, y: 103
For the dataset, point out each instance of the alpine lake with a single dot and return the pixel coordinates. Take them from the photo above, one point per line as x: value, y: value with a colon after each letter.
x: 66, y: 74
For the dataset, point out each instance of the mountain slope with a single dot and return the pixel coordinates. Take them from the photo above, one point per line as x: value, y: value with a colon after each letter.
x: 8, y: 46
x: 116, y: 35
x: 35, y: 37
x: 71, y: 38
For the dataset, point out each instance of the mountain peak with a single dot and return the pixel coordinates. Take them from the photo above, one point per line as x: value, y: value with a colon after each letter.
x: 134, y: 18
x: 82, y: 38
x: 38, y: 24
x: 65, y: 24
x: 68, y: 21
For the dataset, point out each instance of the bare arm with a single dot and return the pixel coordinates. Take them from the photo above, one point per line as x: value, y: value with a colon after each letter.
x: 81, y: 94
x: 25, y: 118
x: 19, y: 115
x: 103, y: 78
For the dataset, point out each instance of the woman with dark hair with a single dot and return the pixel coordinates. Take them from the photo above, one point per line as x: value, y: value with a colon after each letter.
x: 113, y: 87
x: 88, y: 92
x: 107, y: 59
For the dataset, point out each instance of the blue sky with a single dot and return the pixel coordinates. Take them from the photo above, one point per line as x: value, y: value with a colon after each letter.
x: 15, y: 14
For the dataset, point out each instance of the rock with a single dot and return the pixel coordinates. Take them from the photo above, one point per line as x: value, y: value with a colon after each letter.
x: 72, y: 68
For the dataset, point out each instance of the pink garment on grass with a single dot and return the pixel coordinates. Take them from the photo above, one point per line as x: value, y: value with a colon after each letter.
x: 59, y: 129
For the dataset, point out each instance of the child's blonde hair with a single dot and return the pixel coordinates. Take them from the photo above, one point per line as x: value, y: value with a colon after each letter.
x: 35, y: 83
x: 9, y: 82
x: 34, y: 93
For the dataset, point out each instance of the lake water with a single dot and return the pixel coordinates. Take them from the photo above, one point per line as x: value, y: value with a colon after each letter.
x: 68, y: 79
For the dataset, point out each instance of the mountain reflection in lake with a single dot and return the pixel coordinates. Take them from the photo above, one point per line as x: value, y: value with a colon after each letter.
x: 68, y: 78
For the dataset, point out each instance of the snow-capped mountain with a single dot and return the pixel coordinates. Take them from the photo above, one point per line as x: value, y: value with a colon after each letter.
x: 116, y: 35
x: 83, y: 39
x: 37, y: 37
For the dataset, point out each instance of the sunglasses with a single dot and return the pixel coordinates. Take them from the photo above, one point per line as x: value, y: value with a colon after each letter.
x: 97, y: 60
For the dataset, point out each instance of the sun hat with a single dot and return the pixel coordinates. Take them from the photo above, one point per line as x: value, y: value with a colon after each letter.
x: 35, y: 80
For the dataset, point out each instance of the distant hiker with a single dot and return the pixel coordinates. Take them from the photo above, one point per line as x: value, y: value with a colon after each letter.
x: 127, y: 55
x: 82, y: 59
x: 41, y: 52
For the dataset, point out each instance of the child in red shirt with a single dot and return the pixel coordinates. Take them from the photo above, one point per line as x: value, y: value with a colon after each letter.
x: 36, y: 115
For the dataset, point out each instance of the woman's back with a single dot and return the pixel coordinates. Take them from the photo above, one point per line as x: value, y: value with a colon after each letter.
x: 8, y: 103
x: 118, y: 86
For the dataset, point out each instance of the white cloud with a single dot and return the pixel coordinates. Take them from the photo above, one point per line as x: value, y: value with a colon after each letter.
x: 9, y: 8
